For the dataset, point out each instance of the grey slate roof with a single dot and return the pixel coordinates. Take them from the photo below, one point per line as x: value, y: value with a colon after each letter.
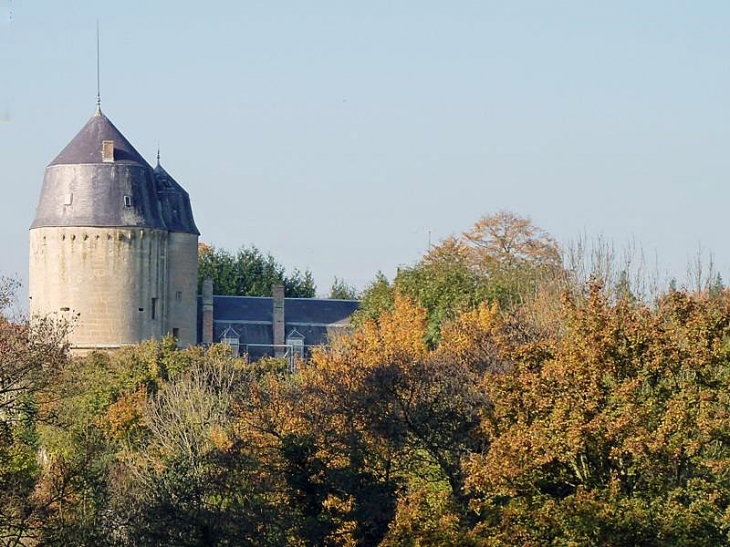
x: 251, y: 317
x: 85, y: 147
x: 317, y: 311
x: 81, y: 190
x: 176, y: 209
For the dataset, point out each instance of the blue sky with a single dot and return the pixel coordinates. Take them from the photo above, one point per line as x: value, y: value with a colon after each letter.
x: 335, y: 134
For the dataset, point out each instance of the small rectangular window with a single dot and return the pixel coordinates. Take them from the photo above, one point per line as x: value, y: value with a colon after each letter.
x: 178, y: 296
x: 154, y: 308
x: 176, y: 333
x: 68, y: 199
x: 127, y: 201
x: 107, y: 151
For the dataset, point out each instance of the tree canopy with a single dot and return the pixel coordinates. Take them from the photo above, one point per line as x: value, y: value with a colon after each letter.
x: 502, y: 258
x: 340, y: 289
x: 589, y: 416
x: 249, y: 272
x: 605, y: 423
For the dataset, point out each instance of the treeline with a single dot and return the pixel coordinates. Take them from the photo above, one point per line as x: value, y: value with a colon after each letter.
x: 487, y: 396
x: 250, y: 272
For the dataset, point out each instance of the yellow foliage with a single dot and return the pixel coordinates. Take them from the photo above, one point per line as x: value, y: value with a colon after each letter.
x: 220, y: 438
x: 125, y: 416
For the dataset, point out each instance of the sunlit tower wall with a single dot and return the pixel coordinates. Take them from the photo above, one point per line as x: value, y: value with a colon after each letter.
x: 101, y: 253
x: 183, y: 258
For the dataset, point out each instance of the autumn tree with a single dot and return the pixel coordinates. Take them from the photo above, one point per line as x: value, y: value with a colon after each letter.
x: 166, y: 447
x: 502, y: 258
x: 377, y: 415
x: 611, y: 432
x: 597, y: 418
x: 32, y: 353
x: 505, y: 241
x: 192, y: 482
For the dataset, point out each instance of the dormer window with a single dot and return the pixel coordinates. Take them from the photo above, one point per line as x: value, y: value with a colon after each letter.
x: 295, y: 345
x: 107, y: 151
x: 231, y: 339
x: 295, y: 340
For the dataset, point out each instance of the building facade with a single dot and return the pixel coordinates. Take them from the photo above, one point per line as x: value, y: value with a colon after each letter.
x: 274, y: 326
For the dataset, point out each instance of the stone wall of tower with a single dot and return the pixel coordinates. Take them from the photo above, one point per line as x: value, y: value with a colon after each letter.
x: 182, y: 287
x: 111, y: 281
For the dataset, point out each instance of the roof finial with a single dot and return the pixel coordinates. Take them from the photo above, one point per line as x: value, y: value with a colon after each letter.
x: 158, y: 152
x: 98, y: 77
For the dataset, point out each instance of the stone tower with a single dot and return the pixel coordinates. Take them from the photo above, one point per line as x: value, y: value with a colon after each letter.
x: 113, y: 246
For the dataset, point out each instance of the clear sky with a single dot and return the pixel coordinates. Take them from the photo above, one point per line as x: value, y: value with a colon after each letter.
x: 335, y: 134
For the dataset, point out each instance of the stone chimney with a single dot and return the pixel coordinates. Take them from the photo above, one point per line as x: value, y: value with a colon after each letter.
x: 207, y: 334
x: 277, y: 292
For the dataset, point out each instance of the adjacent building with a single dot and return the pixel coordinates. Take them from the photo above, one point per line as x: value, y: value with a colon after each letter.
x: 271, y: 326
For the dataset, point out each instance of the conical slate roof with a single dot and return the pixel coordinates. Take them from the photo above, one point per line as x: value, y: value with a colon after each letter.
x: 86, y: 145
x: 176, y: 209
x: 81, y: 189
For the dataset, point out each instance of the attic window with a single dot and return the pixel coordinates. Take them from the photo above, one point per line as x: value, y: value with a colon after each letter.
x: 295, y: 339
x: 107, y: 151
x: 231, y: 338
x: 295, y: 343
x: 127, y: 201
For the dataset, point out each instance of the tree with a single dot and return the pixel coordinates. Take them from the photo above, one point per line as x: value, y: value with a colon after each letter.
x: 32, y: 354
x: 610, y: 431
x: 377, y: 297
x: 503, y: 258
x: 505, y: 241
x: 192, y: 483
x: 340, y: 289
x: 601, y: 421
x: 147, y: 438
x: 8, y: 288
x: 249, y: 272
x: 717, y: 286
x: 444, y: 284
x: 378, y: 415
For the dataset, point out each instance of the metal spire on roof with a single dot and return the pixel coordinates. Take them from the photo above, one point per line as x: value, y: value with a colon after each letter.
x: 98, y: 77
x: 158, y: 153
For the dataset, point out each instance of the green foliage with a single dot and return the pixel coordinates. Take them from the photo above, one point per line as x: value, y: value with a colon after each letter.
x: 444, y: 285
x: 249, y: 272
x: 716, y: 287
x: 503, y: 258
x: 340, y: 289
x: 32, y: 354
x: 378, y: 297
